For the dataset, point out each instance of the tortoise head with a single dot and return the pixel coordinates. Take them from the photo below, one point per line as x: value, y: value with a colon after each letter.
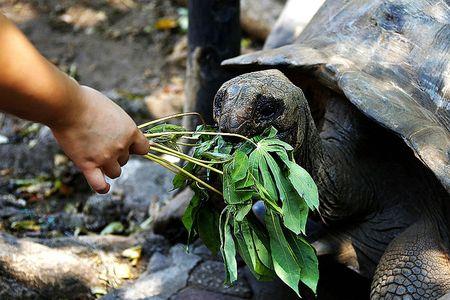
x: 252, y: 102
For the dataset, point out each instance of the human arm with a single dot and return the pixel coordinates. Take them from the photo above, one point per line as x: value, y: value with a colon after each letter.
x: 92, y: 130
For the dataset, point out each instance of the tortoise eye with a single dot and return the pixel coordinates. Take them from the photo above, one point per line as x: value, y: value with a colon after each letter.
x: 267, y: 110
x: 267, y: 107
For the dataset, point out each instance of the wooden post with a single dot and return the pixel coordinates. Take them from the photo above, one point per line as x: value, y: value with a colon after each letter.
x: 213, y: 36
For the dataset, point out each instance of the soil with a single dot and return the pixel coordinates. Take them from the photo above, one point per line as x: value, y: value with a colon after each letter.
x: 107, y: 44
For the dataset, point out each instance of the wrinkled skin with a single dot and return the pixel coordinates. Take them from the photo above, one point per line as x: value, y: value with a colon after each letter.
x: 373, y: 191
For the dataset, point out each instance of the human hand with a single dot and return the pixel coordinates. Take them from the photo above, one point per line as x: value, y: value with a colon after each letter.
x: 98, y: 136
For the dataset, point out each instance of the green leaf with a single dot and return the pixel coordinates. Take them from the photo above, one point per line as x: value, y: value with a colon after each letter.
x: 243, y: 211
x: 235, y: 176
x: 262, y: 247
x: 190, y: 214
x: 165, y: 128
x: 261, y: 173
x: 306, y: 256
x: 229, y: 191
x: 247, y: 251
x: 161, y: 128
x: 228, y: 250
x: 216, y: 156
x: 304, y: 185
x: 271, y: 143
x: 295, y: 211
x: 180, y: 180
x: 282, y: 154
x: 264, y: 194
x: 208, y: 228
x: 270, y: 133
x: 245, y: 184
x: 283, y: 256
x: 239, y: 166
x: 246, y: 147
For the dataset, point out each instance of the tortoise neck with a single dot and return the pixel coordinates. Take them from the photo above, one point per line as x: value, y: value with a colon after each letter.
x: 320, y: 161
x: 311, y: 153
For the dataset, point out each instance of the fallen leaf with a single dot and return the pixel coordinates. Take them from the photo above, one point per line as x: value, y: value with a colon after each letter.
x: 166, y: 24
x: 25, y: 225
x: 99, y: 290
x: 111, y: 228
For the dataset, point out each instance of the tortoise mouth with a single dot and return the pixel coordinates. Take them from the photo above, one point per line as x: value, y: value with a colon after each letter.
x: 231, y: 124
x: 249, y: 128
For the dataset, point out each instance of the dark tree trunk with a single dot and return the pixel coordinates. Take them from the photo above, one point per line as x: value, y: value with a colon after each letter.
x: 214, y: 35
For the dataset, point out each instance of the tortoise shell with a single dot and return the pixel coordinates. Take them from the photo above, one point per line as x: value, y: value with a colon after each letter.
x: 391, y: 59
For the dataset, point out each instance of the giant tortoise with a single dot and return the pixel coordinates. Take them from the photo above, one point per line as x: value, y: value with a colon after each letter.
x: 363, y: 96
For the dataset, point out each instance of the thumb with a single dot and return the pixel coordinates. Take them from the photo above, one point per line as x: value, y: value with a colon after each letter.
x: 96, y: 180
x: 141, y: 145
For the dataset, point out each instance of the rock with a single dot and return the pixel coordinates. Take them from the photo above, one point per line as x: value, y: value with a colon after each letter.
x: 268, y: 290
x: 158, y: 262
x: 209, y: 276
x: 32, y: 156
x: 100, y: 210
x: 11, y: 206
x: 167, y: 100
x: 132, y: 102
x: 162, y: 284
x: 179, y: 52
x: 172, y: 210
x: 293, y: 19
x: 202, y: 251
x: 66, y: 267
x: 141, y: 183
x: 197, y: 294
x: 259, y: 16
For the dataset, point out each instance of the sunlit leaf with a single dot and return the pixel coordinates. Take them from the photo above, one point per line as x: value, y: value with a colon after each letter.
x: 304, y: 185
x: 113, y: 227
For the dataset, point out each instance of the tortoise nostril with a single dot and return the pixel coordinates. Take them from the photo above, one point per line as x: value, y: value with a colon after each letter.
x: 234, y: 123
x: 229, y: 123
x: 224, y: 122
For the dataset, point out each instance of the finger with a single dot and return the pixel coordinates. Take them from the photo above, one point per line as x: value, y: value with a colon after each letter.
x: 96, y: 180
x: 123, y: 159
x: 112, y: 169
x: 141, y: 145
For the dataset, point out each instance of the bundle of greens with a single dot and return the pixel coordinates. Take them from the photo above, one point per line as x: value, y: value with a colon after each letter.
x: 258, y: 169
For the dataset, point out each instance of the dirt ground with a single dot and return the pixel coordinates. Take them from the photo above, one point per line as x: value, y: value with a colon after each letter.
x: 106, y: 44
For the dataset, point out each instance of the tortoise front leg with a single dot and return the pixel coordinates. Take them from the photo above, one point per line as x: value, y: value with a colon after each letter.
x: 415, y: 265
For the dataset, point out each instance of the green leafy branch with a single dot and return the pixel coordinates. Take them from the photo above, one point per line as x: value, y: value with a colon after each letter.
x: 261, y: 168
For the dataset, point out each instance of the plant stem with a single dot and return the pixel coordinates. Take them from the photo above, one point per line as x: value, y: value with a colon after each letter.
x: 152, y: 135
x: 166, y: 163
x: 190, y: 157
x: 172, y: 117
x: 186, y: 144
x: 187, y: 158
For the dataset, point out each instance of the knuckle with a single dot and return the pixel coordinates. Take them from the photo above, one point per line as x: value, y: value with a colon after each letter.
x: 107, y: 156
x: 121, y: 146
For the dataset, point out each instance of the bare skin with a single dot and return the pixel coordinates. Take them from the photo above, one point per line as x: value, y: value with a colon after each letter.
x: 91, y: 129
